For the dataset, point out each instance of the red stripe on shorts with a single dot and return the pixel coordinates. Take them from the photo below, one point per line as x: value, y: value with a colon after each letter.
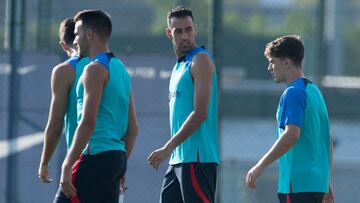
x: 288, y: 198
x: 287, y: 195
x: 74, y: 170
x: 196, y: 185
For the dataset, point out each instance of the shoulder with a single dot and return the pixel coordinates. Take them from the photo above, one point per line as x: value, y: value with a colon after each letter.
x: 95, y: 66
x: 294, y: 92
x: 202, y: 57
x: 293, y: 95
x: 95, y: 70
x: 63, y: 70
x: 202, y: 60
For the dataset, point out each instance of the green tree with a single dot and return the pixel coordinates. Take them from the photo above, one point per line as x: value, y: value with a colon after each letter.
x: 2, y: 36
x: 298, y: 22
x: 352, y: 49
x: 160, y: 11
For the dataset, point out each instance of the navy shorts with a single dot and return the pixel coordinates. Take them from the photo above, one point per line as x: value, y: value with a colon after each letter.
x: 189, y: 183
x: 96, y: 178
x: 301, y: 197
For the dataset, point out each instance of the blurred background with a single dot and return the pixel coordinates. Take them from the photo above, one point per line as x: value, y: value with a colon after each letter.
x: 236, y: 32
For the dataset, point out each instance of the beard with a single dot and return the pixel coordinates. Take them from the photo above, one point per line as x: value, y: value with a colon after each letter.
x: 83, y: 51
x: 185, y: 47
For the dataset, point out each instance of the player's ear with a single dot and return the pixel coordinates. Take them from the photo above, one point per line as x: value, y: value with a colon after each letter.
x: 287, y: 62
x: 89, y: 34
x: 63, y: 46
x: 168, y: 33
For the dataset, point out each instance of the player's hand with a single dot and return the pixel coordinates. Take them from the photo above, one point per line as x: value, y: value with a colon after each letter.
x: 329, y: 197
x: 65, y: 182
x: 158, y: 156
x: 253, y: 174
x: 123, y: 186
x: 44, y: 173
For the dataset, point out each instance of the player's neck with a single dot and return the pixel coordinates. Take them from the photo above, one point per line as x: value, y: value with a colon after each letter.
x: 294, y: 75
x: 95, y: 50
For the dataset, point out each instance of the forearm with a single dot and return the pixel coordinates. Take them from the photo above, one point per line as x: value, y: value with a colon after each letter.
x: 191, y: 124
x: 132, y: 130
x: 281, y: 146
x: 81, y: 138
x: 52, y: 136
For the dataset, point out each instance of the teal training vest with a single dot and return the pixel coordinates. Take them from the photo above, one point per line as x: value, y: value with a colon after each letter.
x: 112, y: 117
x: 202, y: 146
x: 70, y: 119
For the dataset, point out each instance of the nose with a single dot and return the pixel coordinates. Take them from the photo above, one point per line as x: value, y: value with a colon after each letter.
x: 184, y: 36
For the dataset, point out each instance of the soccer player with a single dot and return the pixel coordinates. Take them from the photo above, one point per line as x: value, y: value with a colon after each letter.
x: 107, y: 126
x: 304, y: 143
x: 193, y: 148
x: 64, y: 79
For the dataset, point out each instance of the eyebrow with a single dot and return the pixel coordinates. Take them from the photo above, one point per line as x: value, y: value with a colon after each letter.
x: 187, y: 28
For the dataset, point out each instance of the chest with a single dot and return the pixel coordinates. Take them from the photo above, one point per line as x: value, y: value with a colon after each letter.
x: 180, y: 77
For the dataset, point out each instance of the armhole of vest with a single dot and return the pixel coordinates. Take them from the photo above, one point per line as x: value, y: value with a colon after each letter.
x: 110, y: 56
x: 108, y: 62
x: 73, y: 62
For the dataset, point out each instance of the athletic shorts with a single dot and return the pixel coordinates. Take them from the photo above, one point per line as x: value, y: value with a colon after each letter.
x: 96, y: 178
x: 189, y: 183
x: 301, y: 197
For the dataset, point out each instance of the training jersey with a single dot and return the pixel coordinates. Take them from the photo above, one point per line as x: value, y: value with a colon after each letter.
x: 70, y: 119
x: 306, y: 166
x: 202, y: 146
x: 112, y: 116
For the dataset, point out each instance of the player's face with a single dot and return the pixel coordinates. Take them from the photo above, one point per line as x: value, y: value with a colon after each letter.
x: 182, y: 33
x: 81, y: 40
x: 277, y: 69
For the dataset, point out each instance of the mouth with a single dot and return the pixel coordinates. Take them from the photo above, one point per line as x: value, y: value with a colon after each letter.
x: 185, y: 43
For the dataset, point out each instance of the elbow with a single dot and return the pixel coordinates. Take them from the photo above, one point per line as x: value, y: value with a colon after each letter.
x: 88, y: 123
x: 54, y: 128
x: 201, y: 116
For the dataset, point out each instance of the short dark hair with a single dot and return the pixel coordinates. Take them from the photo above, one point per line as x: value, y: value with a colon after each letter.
x: 179, y: 12
x: 96, y: 20
x: 289, y: 46
x: 66, y: 31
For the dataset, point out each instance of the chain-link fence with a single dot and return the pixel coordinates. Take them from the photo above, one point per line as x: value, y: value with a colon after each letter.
x: 248, y: 96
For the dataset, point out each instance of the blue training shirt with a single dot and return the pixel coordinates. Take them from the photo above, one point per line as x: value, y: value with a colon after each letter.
x: 306, y: 166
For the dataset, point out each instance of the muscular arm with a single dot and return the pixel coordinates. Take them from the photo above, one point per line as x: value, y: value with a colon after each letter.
x: 132, y: 130
x: 202, y: 70
x: 94, y: 78
x: 62, y: 79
